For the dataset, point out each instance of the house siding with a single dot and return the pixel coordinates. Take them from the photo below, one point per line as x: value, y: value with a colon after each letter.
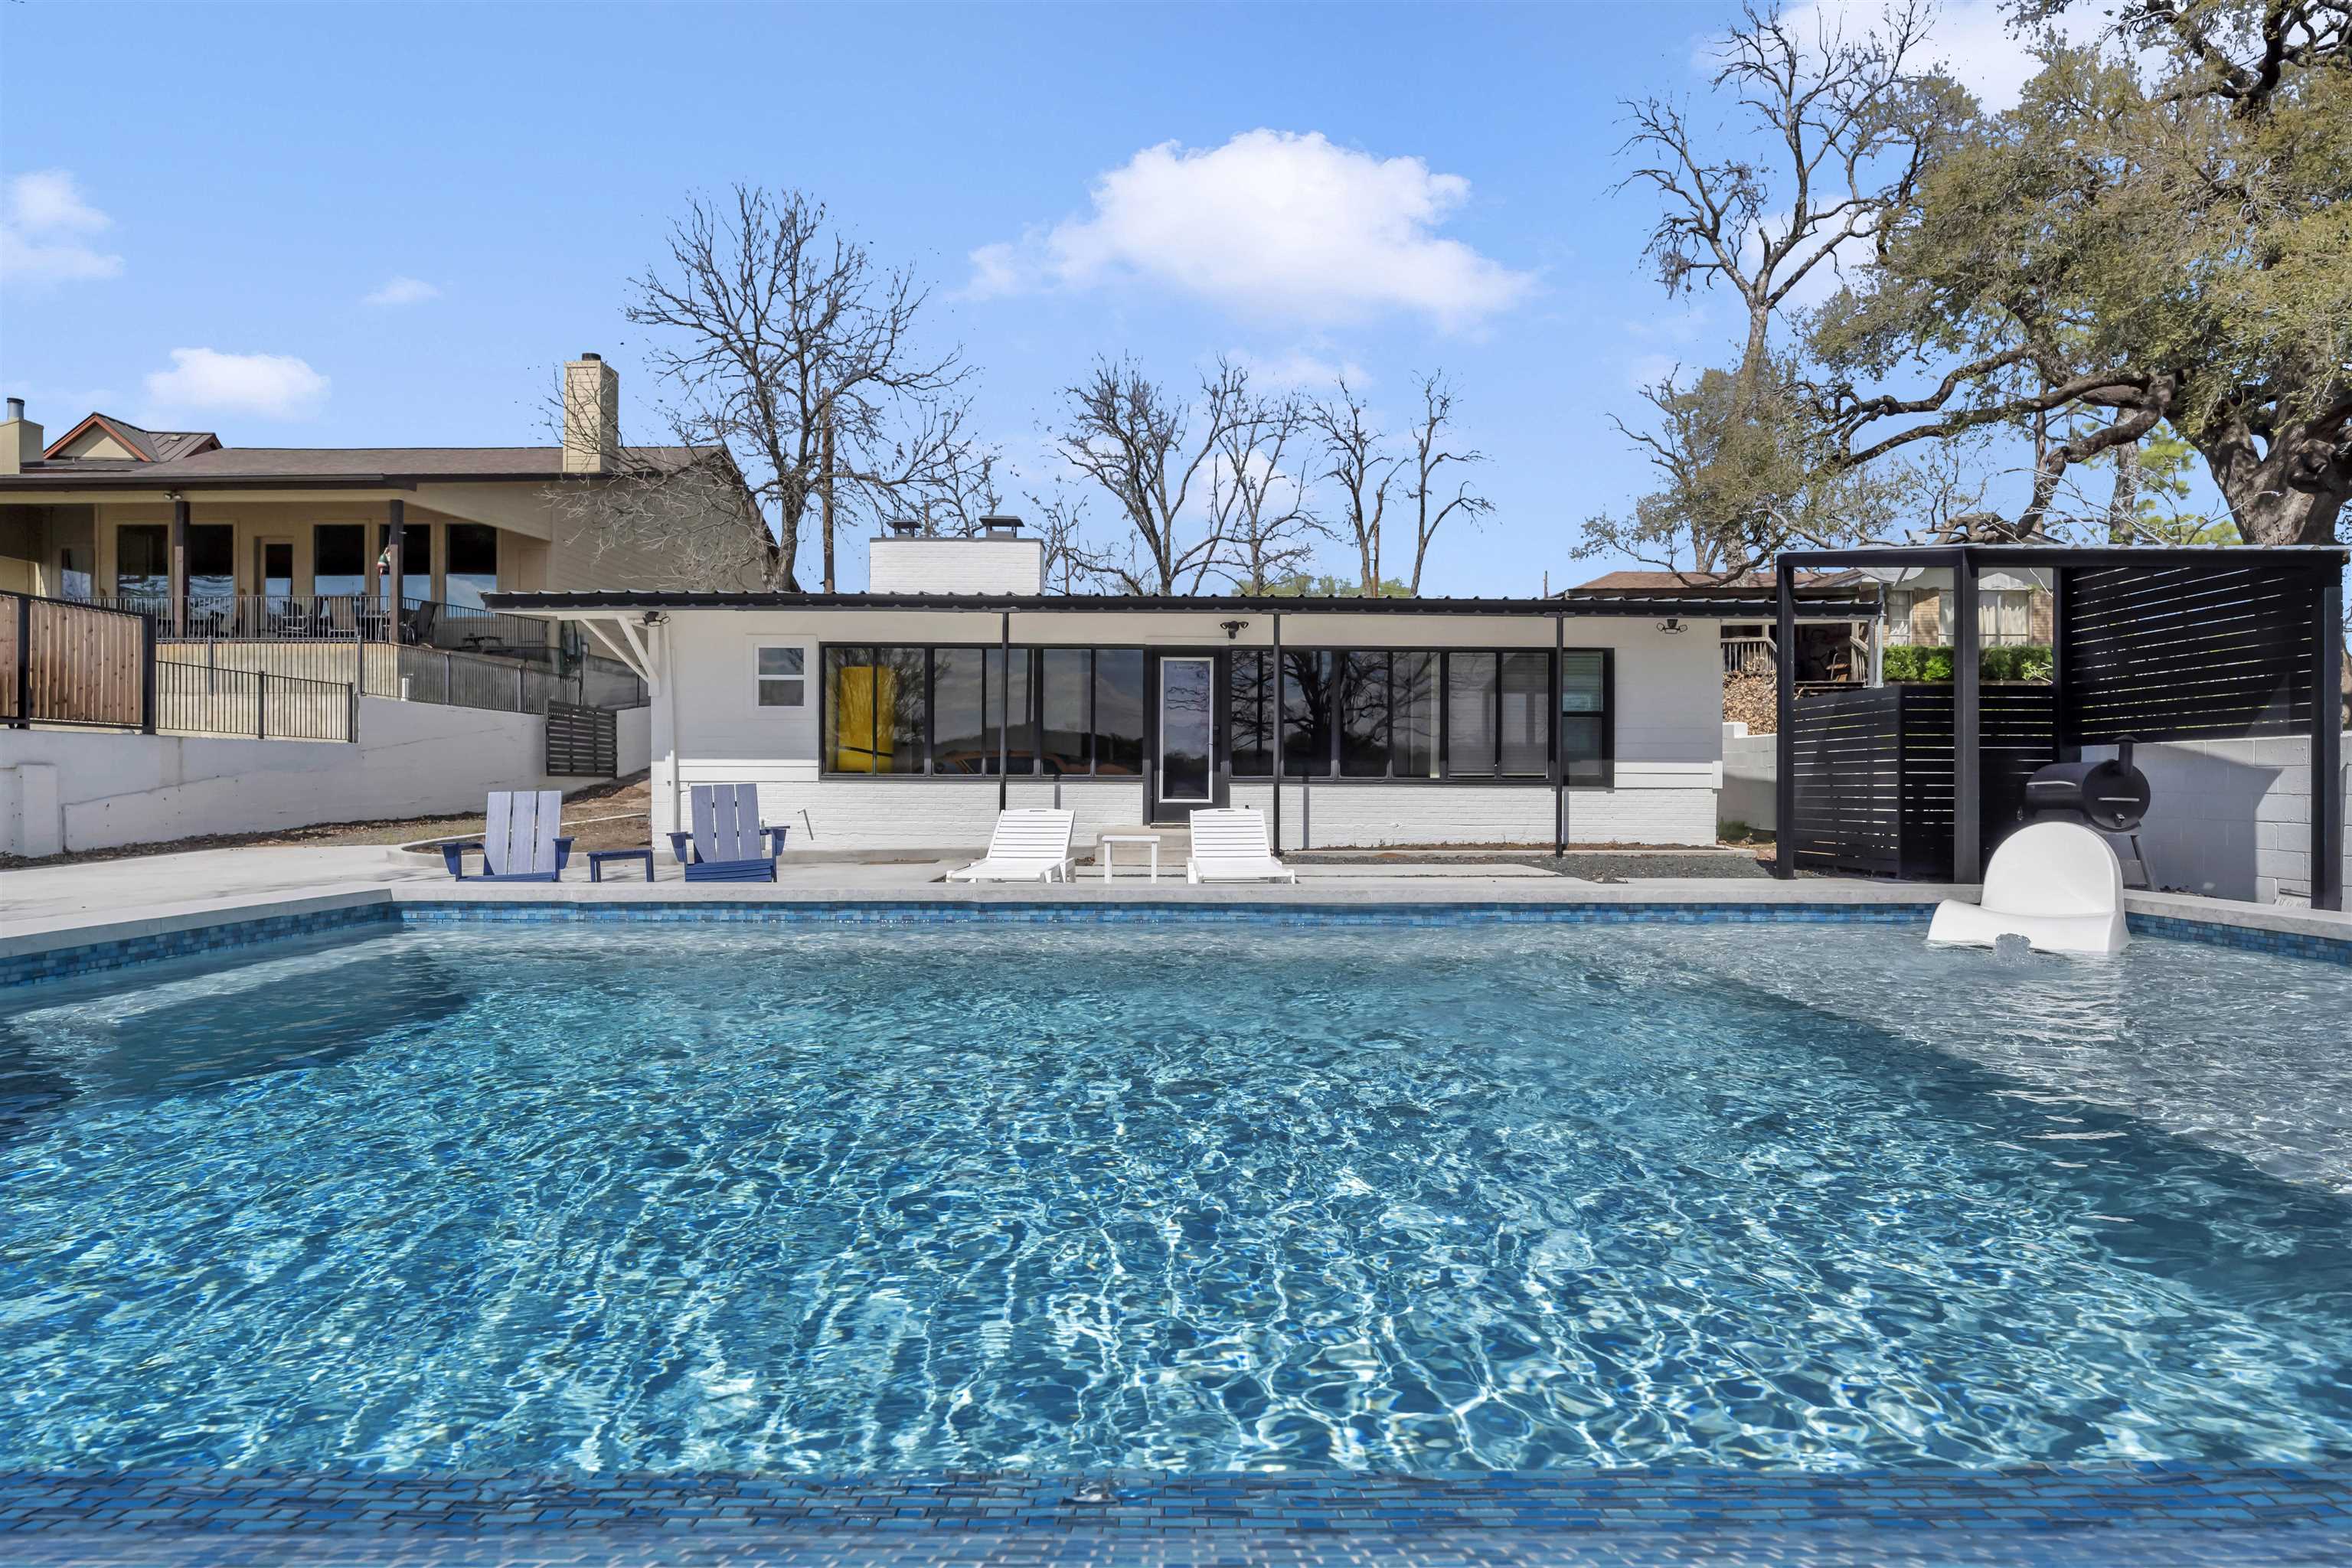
x: 708, y: 729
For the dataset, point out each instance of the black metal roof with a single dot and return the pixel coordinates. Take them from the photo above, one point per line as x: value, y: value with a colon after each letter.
x: 1714, y: 606
x: 1989, y: 554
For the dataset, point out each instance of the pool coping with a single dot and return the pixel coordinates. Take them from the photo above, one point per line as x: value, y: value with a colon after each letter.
x: 57, y: 949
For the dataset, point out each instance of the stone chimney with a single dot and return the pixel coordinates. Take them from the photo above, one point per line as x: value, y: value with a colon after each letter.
x: 592, y: 416
x: 20, y: 439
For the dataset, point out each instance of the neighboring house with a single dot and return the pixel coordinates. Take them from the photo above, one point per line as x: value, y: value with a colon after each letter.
x: 1830, y: 647
x: 398, y: 545
x: 2012, y: 607
x: 905, y: 717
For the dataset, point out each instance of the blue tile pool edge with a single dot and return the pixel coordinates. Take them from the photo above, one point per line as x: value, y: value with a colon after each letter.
x: 66, y: 962
x: 2031, y: 1500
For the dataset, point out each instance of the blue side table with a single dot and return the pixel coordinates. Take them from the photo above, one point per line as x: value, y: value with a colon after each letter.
x: 596, y: 859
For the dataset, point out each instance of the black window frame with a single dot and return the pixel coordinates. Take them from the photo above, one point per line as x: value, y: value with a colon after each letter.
x: 994, y: 700
x: 1554, y: 764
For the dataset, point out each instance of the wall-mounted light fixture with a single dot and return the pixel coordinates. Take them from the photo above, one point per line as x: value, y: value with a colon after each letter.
x: 655, y: 617
x: 1233, y: 629
x: 1672, y: 625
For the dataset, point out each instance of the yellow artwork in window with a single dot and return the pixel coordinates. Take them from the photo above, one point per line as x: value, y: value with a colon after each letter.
x: 854, y: 689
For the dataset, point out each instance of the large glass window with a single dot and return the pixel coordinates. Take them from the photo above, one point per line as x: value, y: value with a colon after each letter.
x: 901, y: 709
x: 1309, y: 694
x: 961, y: 739
x: 1525, y: 749
x: 473, y: 568
x: 338, y: 558
x: 1413, y: 702
x: 1119, y: 710
x: 1067, y: 675
x: 1470, y: 679
x: 415, y: 560
x: 212, y: 568
x: 848, y: 709
x: 1011, y: 703
x: 1585, y: 742
x: 1249, y: 722
x: 1364, y: 711
x: 142, y: 560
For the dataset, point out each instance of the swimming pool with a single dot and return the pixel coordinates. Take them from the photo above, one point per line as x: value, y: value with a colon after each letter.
x: 1177, y: 1197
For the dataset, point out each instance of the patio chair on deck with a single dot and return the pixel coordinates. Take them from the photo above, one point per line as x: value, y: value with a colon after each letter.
x: 1232, y: 847
x: 728, y: 843
x: 1025, y: 846
x: 520, y: 842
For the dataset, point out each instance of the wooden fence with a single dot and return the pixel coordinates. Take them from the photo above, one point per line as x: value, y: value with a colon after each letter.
x: 63, y: 662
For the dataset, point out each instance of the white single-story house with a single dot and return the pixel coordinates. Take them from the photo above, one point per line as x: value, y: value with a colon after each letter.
x: 907, y: 716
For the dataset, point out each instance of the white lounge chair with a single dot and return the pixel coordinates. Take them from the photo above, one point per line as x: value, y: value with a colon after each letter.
x: 2056, y: 884
x: 1027, y: 847
x: 1232, y: 847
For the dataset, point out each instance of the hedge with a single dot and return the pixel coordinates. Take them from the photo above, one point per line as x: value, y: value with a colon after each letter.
x: 1932, y: 665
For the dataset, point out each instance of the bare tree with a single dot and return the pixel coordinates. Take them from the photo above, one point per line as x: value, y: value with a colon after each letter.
x: 1357, y: 460
x: 1146, y: 449
x: 782, y: 340
x: 1856, y: 123
x: 1264, y: 511
x: 1433, y: 454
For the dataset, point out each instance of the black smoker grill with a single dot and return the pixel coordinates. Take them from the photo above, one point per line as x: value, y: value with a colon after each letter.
x: 2111, y: 796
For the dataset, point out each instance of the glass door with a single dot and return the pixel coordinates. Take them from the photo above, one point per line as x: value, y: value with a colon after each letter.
x: 1188, y: 733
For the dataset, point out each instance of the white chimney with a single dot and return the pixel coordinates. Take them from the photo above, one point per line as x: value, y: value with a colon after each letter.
x: 592, y: 416
x: 1000, y: 560
x: 20, y: 439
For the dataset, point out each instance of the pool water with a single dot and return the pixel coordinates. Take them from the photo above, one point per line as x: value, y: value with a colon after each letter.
x: 1182, y: 1197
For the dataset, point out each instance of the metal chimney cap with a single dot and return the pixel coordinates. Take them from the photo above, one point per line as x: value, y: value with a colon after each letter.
x: 1001, y: 526
x: 905, y: 527
x: 591, y: 358
x: 16, y: 408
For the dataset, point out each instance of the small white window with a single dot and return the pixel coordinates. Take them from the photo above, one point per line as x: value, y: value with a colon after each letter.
x: 783, y: 678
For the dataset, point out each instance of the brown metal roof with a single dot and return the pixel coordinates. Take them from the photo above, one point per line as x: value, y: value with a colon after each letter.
x: 346, y: 464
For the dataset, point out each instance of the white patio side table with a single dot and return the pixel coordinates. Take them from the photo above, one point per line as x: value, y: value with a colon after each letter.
x: 1108, y: 839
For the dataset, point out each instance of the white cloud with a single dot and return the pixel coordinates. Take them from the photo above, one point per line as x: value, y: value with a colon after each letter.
x: 402, y: 291
x: 1299, y: 368
x: 1272, y: 222
x: 205, y: 381
x: 41, y: 230
x: 1971, y: 39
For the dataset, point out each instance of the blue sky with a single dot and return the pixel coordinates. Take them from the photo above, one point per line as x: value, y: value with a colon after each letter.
x: 332, y: 225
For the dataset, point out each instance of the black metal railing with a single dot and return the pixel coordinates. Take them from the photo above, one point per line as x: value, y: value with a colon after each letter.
x: 256, y: 704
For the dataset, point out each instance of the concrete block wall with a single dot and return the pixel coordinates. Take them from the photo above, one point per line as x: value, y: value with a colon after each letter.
x: 2230, y: 818
x: 1751, y: 772
x: 63, y: 789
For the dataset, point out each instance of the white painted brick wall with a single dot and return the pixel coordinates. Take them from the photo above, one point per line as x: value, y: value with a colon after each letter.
x: 918, y: 813
x: 1363, y: 816
x: 956, y: 566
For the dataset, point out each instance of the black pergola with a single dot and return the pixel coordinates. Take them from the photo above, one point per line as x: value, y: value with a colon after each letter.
x: 2149, y: 645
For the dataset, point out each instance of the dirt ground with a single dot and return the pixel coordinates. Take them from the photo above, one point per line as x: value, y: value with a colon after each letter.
x: 609, y: 816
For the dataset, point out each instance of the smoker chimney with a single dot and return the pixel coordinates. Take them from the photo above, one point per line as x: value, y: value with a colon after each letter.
x: 20, y: 439
x: 1000, y: 559
x: 592, y: 416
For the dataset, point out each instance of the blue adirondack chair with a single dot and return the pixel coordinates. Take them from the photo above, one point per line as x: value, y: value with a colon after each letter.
x: 727, y: 843
x: 518, y: 842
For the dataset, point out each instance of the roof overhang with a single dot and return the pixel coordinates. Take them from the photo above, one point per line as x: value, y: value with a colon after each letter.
x: 1640, y: 606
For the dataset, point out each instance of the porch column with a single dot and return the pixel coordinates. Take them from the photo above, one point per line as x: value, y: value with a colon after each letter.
x: 1274, y: 735
x: 396, y: 548
x: 1784, y: 680
x: 2328, y: 744
x: 1968, y: 701
x: 1004, y: 710
x: 179, y: 565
